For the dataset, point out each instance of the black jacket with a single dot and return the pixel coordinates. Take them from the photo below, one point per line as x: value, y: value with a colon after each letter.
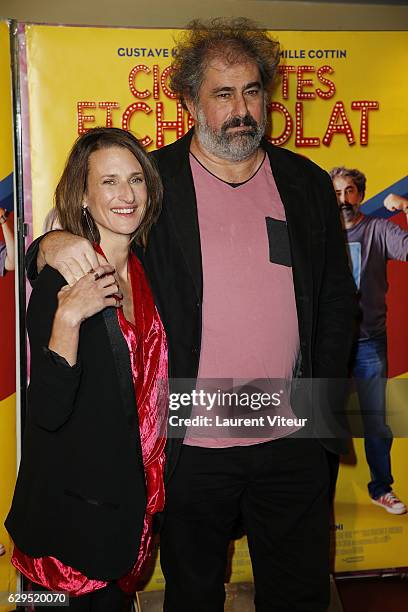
x: 80, y: 494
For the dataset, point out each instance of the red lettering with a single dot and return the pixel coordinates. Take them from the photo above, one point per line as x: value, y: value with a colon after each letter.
x: 156, y: 91
x: 302, y: 83
x: 108, y: 106
x: 129, y: 112
x: 162, y: 125
x: 288, y: 125
x: 82, y: 118
x: 364, y: 106
x: 163, y: 81
x: 138, y: 94
x: 335, y: 127
x: 325, y: 95
x: 300, y: 139
x: 285, y: 71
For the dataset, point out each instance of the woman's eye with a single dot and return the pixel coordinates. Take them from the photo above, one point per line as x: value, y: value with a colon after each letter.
x: 137, y: 179
x: 108, y: 182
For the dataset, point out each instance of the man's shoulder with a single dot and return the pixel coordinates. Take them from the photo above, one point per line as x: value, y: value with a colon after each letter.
x: 377, y: 224
x: 166, y: 151
x: 169, y: 155
x: 381, y: 228
x: 293, y: 161
x: 385, y: 227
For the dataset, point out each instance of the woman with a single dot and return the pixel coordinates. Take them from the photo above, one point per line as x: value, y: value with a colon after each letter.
x: 91, y: 475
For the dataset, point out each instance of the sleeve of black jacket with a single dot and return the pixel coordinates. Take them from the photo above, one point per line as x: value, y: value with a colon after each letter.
x: 31, y: 259
x: 53, y: 382
x: 337, y: 307
x: 336, y: 326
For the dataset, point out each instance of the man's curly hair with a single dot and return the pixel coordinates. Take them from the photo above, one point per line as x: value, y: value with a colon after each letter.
x: 231, y: 40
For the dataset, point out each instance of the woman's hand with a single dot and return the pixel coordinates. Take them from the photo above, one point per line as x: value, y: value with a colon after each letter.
x: 91, y: 294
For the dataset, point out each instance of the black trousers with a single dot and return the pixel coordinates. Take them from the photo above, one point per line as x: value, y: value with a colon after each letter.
x: 280, y: 491
x: 109, y: 599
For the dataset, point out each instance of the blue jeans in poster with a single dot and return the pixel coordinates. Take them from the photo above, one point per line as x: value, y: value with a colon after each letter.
x: 369, y: 368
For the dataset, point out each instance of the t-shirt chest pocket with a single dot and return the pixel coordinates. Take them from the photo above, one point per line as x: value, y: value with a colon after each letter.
x: 278, y: 240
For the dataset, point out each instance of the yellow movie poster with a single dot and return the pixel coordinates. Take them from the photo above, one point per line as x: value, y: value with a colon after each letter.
x: 339, y: 99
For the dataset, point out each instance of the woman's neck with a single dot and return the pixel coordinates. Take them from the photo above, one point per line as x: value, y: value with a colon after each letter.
x: 116, y: 250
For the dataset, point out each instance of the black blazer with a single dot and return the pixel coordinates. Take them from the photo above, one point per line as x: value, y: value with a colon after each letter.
x: 80, y: 494
x: 324, y: 288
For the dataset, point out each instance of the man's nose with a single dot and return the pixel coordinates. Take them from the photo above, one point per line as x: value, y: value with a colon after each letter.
x: 240, y: 106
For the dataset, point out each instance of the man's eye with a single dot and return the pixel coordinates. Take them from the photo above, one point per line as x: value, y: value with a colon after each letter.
x: 224, y: 95
x: 252, y: 92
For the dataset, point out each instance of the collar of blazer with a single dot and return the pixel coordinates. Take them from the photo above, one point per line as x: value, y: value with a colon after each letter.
x: 123, y: 369
x: 289, y: 170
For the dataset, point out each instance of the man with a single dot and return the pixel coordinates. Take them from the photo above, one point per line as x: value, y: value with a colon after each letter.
x: 371, y: 243
x: 248, y: 266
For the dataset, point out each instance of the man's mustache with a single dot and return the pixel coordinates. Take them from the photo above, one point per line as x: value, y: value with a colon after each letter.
x: 346, y: 207
x: 245, y: 121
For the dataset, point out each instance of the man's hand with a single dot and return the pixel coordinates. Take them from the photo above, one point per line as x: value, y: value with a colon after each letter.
x: 395, y: 202
x: 71, y: 255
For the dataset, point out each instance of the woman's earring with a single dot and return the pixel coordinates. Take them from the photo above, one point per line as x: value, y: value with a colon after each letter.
x: 87, y: 217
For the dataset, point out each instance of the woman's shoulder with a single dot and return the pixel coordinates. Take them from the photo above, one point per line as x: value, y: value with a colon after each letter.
x: 45, y: 290
x: 49, y: 279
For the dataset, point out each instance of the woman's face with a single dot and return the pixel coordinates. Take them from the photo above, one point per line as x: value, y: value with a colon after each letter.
x: 116, y: 193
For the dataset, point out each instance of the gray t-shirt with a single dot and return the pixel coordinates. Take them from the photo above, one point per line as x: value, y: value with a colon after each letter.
x: 370, y: 244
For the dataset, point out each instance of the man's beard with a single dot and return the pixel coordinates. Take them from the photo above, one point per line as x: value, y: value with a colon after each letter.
x: 233, y: 146
x: 348, y: 212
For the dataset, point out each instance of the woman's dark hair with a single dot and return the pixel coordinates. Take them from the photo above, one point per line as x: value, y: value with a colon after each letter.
x: 72, y: 186
x: 231, y: 40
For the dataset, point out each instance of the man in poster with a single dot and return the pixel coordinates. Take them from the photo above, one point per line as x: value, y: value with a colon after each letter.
x: 371, y: 243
